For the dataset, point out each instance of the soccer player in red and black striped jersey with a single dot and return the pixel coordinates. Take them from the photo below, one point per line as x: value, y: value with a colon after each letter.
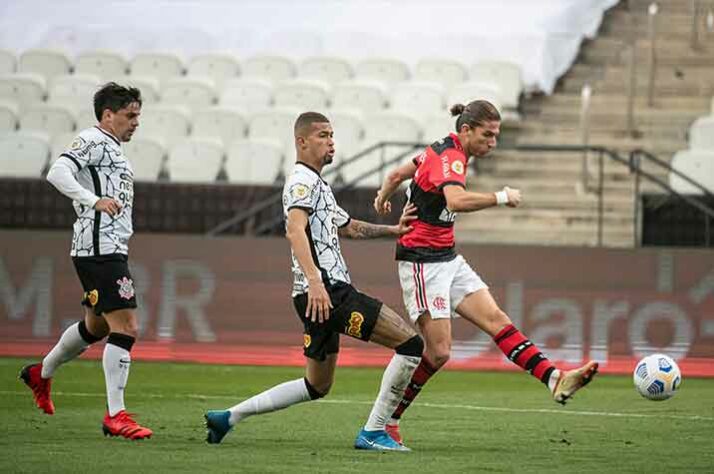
x: 437, y: 283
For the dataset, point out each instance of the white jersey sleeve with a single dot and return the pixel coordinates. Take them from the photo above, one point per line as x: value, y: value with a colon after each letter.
x: 301, y: 191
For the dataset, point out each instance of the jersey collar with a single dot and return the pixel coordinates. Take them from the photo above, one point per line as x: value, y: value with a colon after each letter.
x: 457, y: 143
x: 310, y: 168
x: 108, y: 134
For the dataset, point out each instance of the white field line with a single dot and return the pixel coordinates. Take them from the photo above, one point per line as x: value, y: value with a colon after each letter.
x: 445, y: 406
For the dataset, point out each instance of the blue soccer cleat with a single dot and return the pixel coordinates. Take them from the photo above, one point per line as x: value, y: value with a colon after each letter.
x: 217, y: 425
x: 377, y: 441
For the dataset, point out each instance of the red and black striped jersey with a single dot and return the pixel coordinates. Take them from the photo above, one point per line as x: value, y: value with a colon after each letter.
x: 432, y: 240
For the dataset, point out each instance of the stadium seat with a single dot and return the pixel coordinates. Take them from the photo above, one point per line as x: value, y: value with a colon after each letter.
x: 249, y: 94
x: 701, y: 134
x: 389, y: 71
x: 164, y: 122
x: 437, y: 126
x: 147, y: 156
x: 469, y: 91
x: 365, y: 96
x: 222, y: 122
x: 349, y: 132
x: 8, y: 63
x: 47, y: 118
x: 8, y: 116
x: 329, y: 69
x: 60, y: 143
x: 444, y: 71
x: 76, y: 90
x: 307, y: 94
x: 22, y: 89
x: 418, y: 98
x: 45, y: 62
x: 506, y: 75
x: 190, y: 92
x: 215, y: 66
x: 107, y: 65
x: 196, y: 160
x: 86, y: 118
x: 696, y: 164
x: 162, y: 66
x: 269, y: 68
x: 276, y: 123
x: 381, y: 127
x: 255, y: 161
x: 149, y: 87
x: 23, y: 154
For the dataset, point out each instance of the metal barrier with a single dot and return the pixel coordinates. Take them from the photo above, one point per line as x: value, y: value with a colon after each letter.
x: 275, y: 222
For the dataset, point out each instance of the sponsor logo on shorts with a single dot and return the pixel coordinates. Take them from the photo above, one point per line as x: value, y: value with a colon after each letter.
x: 92, y: 297
x: 126, y: 288
x: 307, y: 340
x: 355, y: 324
x: 439, y: 303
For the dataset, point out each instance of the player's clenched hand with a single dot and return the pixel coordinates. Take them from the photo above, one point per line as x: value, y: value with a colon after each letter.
x: 318, y: 302
x: 409, y: 213
x: 382, y: 206
x: 108, y: 205
x: 514, y: 197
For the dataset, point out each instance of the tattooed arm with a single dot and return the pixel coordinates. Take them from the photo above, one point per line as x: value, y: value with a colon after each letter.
x: 365, y: 230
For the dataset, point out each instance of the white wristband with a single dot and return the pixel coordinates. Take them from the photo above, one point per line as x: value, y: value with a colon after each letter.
x: 501, y: 198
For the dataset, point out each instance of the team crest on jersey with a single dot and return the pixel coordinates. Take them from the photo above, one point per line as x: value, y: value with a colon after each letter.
x: 92, y: 297
x: 126, y: 288
x: 457, y: 167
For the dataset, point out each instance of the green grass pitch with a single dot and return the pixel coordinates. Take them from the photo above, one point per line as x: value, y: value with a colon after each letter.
x: 462, y: 422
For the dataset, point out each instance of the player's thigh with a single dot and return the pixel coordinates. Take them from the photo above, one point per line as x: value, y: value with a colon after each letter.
x: 391, y: 329
x: 436, y: 334
x: 321, y: 373
x: 122, y: 321
x: 482, y: 310
x: 96, y: 325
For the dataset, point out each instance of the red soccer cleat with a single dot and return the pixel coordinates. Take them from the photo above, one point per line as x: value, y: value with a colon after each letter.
x: 122, y: 424
x: 393, y: 431
x: 32, y: 376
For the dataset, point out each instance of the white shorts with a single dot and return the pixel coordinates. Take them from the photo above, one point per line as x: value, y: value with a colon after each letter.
x: 437, y: 287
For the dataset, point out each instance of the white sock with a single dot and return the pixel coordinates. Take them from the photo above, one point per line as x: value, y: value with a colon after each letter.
x: 116, y: 362
x: 553, y: 379
x: 394, y: 381
x: 394, y: 421
x: 276, y: 398
x: 70, y: 345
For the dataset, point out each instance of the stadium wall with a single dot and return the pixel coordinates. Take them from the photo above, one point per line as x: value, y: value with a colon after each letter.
x: 227, y: 300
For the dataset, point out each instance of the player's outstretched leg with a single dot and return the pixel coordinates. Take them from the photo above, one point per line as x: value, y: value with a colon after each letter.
x: 571, y: 381
x: 389, y: 328
x: 38, y: 377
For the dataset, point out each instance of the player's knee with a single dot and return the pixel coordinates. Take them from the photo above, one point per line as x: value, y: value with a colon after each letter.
x: 413, y: 347
x: 317, y: 390
x: 440, y: 355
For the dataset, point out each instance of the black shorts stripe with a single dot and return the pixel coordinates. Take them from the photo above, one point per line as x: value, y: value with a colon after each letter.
x: 420, y: 290
x: 97, y: 214
x: 74, y: 160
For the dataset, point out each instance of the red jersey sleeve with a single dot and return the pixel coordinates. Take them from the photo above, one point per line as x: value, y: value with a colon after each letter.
x: 447, y: 168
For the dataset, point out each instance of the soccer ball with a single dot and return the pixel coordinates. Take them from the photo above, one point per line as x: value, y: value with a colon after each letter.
x: 657, y: 377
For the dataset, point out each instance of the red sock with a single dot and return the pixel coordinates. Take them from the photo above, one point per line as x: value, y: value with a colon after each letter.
x: 423, y: 372
x: 524, y: 353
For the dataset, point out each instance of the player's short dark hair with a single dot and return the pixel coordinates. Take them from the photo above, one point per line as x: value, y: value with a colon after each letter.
x: 112, y: 96
x: 306, y: 119
x: 476, y: 113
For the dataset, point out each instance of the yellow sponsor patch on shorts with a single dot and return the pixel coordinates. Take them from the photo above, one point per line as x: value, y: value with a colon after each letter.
x: 307, y: 340
x: 92, y: 297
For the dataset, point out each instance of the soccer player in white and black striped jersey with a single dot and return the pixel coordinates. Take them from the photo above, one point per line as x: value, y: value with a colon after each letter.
x: 99, y: 179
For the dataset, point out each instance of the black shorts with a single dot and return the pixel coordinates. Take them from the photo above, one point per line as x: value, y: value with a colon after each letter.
x: 353, y: 313
x: 106, y: 281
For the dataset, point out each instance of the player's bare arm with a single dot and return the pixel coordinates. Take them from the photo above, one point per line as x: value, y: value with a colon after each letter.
x: 318, y: 301
x: 365, y: 230
x: 391, y: 183
x: 460, y: 200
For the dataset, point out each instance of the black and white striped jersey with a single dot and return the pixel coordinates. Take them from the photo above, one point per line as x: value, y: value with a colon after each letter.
x: 95, y: 167
x: 305, y: 189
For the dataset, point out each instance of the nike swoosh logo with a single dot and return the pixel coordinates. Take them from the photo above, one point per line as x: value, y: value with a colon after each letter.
x: 371, y: 443
x: 124, y: 361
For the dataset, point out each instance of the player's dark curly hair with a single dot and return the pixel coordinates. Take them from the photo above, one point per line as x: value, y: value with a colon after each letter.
x: 476, y: 113
x: 112, y: 96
